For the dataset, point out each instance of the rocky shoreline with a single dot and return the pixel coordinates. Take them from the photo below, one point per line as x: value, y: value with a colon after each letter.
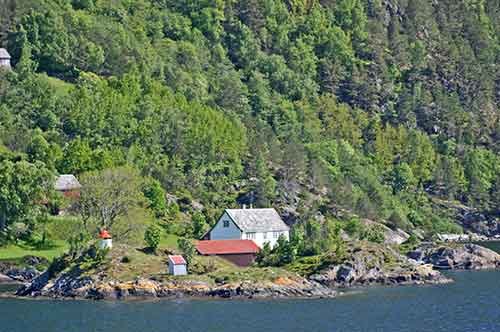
x: 456, y: 256
x: 367, y: 265
x: 86, y: 288
x: 4, y: 279
x: 370, y: 264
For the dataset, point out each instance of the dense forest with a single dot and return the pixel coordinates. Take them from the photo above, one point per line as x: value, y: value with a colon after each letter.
x: 382, y: 109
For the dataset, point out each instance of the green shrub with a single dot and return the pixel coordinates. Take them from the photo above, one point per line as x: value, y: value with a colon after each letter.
x: 201, y: 266
x: 374, y: 233
x: 353, y: 227
x: 152, y: 236
x: 126, y: 259
x: 187, y: 249
x: 409, y: 244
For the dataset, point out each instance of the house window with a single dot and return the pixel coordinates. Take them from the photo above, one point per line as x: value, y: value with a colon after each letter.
x: 264, y: 235
x: 251, y: 236
x: 276, y: 234
x: 226, y: 223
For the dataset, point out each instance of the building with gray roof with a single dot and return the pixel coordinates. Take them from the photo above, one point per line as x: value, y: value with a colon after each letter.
x: 67, y: 182
x: 259, y: 225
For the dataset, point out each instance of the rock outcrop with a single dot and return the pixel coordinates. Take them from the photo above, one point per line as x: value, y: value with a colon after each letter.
x: 371, y: 264
x: 25, y: 270
x: 472, y: 220
x: 26, y: 274
x: 457, y: 256
x: 6, y: 279
x: 391, y: 236
x: 85, y: 287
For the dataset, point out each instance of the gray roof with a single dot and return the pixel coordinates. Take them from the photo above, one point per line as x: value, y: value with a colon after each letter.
x: 257, y: 220
x: 67, y: 182
x: 4, y: 54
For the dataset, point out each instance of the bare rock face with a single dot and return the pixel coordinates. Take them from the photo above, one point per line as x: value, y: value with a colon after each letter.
x: 458, y: 256
x: 71, y: 285
x: 24, y: 272
x: 392, y: 236
x: 481, y: 224
x: 371, y: 264
x: 6, y: 279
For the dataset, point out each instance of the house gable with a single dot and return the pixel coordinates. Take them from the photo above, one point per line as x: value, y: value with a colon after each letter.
x: 225, y: 229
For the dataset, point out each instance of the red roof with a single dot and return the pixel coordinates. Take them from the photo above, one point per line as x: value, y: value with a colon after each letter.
x: 104, y: 235
x: 220, y: 247
x: 177, y: 259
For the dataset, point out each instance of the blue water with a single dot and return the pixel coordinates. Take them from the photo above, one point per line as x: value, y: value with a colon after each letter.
x: 470, y: 304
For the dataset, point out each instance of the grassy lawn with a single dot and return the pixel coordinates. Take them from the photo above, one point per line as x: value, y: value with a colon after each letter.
x: 62, y: 88
x: 13, y: 252
x: 169, y: 241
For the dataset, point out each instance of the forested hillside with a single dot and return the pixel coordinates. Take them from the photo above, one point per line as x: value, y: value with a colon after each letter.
x: 379, y: 108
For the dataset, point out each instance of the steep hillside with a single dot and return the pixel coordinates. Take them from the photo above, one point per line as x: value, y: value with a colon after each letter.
x: 336, y: 107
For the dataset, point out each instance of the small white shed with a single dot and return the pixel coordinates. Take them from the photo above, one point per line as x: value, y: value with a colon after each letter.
x: 177, y: 265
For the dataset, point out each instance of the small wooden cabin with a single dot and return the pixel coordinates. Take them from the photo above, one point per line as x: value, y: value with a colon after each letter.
x: 177, y: 265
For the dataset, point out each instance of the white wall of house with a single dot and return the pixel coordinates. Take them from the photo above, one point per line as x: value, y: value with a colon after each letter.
x: 177, y: 269
x: 225, y: 229
x: 5, y: 63
x: 261, y: 238
x: 106, y: 244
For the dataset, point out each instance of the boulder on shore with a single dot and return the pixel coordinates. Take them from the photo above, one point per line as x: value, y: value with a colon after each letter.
x: 6, y: 279
x: 457, y: 256
x: 371, y: 264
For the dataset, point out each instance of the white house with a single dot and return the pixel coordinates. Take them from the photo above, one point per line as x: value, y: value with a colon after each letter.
x: 259, y: 225
x: 4, y: 58
x: 177, y: 265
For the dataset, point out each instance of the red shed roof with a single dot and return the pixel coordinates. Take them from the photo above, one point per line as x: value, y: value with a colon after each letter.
x: 104, y: 235
x: 176, y: 259
x: 220, y: 247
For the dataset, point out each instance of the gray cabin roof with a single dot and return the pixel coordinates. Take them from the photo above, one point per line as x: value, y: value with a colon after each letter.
x: 4, y: 54
x: 67, y: 182
x: 257, y: 220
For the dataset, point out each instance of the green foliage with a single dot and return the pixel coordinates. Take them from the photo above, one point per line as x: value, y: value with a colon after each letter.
x: 77, y: 244
x: 264, y: 100
x: 409, y: 244
x: 107, y: 198
x: 126, y: 260
x: 373, y: 233
x: 200, y: 225
x: 284, y: 252
x: 353, y: 227
x: 187, y: 248
x: 23, y: 185
x: 155, y: 196
x: 152, y: 237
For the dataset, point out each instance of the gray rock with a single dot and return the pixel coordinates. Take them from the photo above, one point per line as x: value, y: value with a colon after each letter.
x: 6, y: 279
x: 23, y: 274
x: 368, y: 265
x: 464, y: 256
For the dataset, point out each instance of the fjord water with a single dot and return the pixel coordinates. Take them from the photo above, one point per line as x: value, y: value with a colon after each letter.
x: 470, y: 304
